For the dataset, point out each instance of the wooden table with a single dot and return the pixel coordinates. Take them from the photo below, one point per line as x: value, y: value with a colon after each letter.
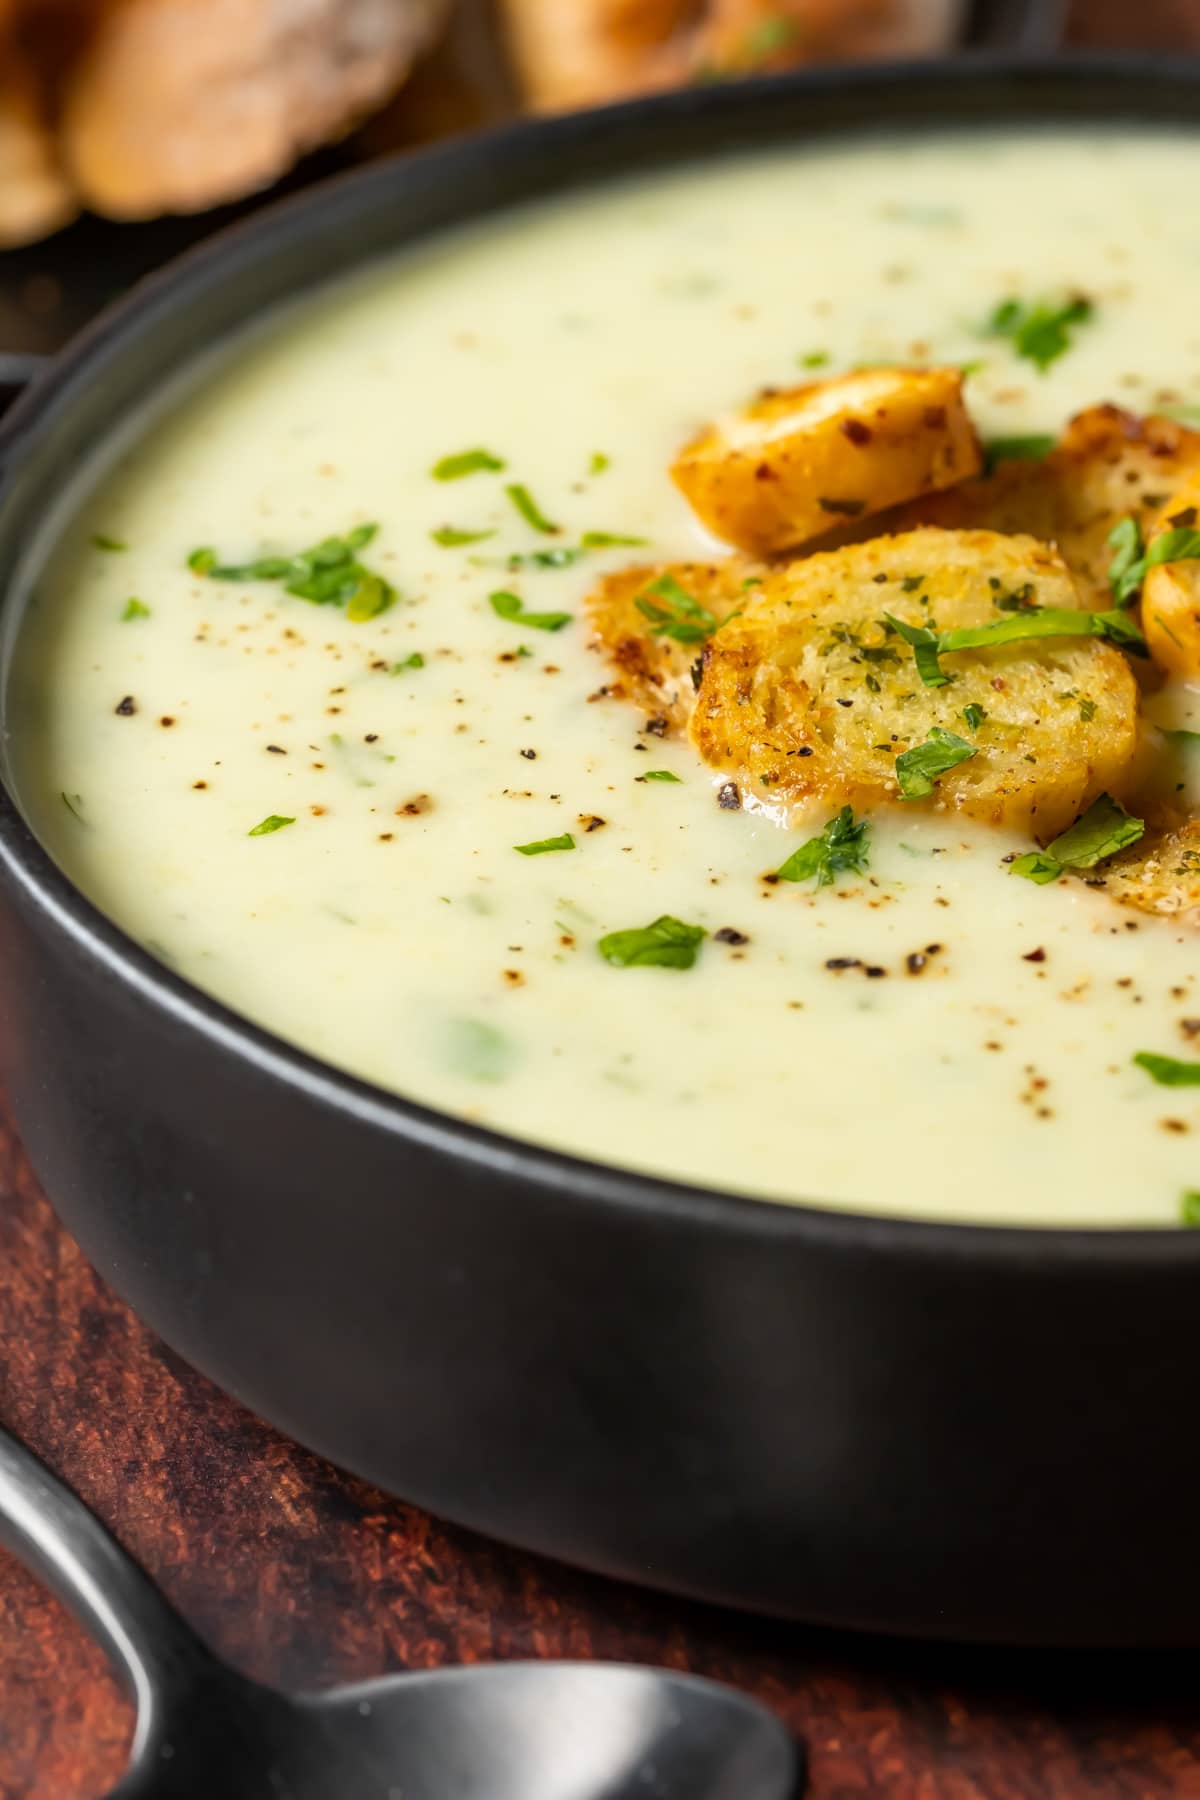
x: 303, y: 1576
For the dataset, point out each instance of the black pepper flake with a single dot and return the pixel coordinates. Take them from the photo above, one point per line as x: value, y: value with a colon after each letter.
x: 728, y: 935
x: 729, y: 797
x: 372, y: 737
x: 914, y: 962
x: 873, y: 971
x: 126, y: 708
x: 933, y: 949
x: 1038, y: 955
x: 529, y: 755
x: 697, y: 671
x: 1191, y: 1027
x: 658, y: 726
x: 843, y: 962
x: 277, y: 749
x: 845, y: 702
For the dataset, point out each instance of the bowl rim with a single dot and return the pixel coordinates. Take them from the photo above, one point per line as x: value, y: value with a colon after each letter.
x: 1039, y: 90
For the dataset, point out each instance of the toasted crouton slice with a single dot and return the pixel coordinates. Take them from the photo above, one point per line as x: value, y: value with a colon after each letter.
x: 801, y: 460
x: 653, y: 666
x: 1107, y: 464
x: 1171, y: 591
x: 810, y: 695
x: 1159, y: 875
x: 35, y: 196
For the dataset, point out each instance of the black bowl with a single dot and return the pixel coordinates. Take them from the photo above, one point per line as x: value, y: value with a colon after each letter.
x: 976, y: 1433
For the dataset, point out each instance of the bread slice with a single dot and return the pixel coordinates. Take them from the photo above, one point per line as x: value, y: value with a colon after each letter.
x: 655, y: 663
x: 1171, y: 591
x: 799, y: 461
x: 810, y: 695
x: 177, y: 105
x: 1160, y: 875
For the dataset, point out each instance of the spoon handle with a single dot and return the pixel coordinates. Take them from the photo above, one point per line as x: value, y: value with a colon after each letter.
x: 57, y: 1539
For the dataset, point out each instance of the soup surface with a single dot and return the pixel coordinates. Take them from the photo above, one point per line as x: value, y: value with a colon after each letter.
x: 316, y: 817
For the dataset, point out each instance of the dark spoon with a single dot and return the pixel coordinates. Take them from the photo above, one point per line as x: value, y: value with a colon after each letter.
x: 509, y: 1731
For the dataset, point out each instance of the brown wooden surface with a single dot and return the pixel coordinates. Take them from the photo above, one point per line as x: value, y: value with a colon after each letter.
x: 303, y: 1576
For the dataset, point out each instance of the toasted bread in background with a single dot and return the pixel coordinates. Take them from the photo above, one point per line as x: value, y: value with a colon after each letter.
x: 138, y: 107
x: 577, y: 52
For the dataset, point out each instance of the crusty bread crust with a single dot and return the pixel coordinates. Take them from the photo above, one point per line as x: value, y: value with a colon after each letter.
x: 177, y: 105
x: 35, y: 195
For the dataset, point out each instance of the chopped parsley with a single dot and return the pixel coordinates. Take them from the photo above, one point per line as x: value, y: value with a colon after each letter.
x: 272, y: 822
x: 658, y: 775
x: 135, y: 609
x: 328, y: 574
x: 561, y: 558
x: 974, y: 716
x: 511, y: 606
x: 1021, y: 626
x: 449, y: 536
x: 1167, y: 1071
x: 814, y: 359
x: 476, y: 1049
x: 917, y: 769
x: 1033, y: 448
x: 466, y: 462
x: 540, y: 846
x: 1132, y: 562
x: 599, y: 462
x: 1104, y: 829
x: 680, y: 615
x: 415, y: 661
x: 1189, y: 1207
x: 666, y: 944
x: 101, y: 542
x: 842, y: 846
x: 73, y: 804
x: 1040, y: 331
x: 604, y: 540
x: 529, y: 509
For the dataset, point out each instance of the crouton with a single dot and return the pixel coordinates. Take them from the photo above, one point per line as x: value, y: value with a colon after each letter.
x: 35, y: 196
x: 653, y: 657
x: 811, y: 695
x: 1171, y: 591
x: 1108, y: 464
x: 799, y: 461
x: 1159, y: 875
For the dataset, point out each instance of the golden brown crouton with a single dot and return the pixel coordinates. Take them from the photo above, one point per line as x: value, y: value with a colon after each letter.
x: 653, y: 667
x: 1159, y: 875
x: 1107, y: 464
x: 35, y: 196
x: 811, y: 695
x: 1171, y: 591
x: 801, y: 460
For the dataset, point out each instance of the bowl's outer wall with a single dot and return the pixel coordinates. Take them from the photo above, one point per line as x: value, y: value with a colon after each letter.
x: 979, y: 1435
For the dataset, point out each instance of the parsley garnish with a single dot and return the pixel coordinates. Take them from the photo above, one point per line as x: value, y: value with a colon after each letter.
x: 134, y: 609
x: 604, y: 540
x: 541, y: 845
x: 1104, y: 829
x: 328, y: 574
x: 1189, y: 1207
x: 974, y: 716
x: 562, y: 558
x: 1033, y: 448
x: 449, y: 536
x: 917, y: 769
x: 1131, y: 563
x: 1019, y: 627
x: 101, y: 542
x: 1040, y: 330
x: 1167, y: 1071
x: 841, y: 847
x: 73, y: 803
x: 666, y: 944
x: 511, y: 606
x: 681, y: 616
x: 814, y: 359
x: 599, y: 463
x: 466, y: 462
x: 658, y: 775
x: 529, y: 509
x: 415, y: 661
x: 272, y: 822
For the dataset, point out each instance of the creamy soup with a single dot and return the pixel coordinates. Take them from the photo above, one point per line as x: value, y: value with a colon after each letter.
x: 317, y: 818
